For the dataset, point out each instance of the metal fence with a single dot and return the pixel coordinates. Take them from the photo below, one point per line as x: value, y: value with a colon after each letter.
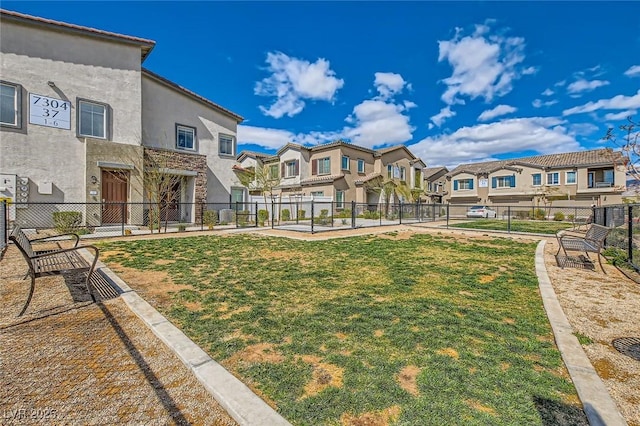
x: 96, y: 220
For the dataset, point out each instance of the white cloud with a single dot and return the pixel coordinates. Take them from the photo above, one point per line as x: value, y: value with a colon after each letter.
x: 496, y: 112
x: 544, y: 135
x: 617, y: 102
x: 537, y: 103
x: 560, y: 83
x: 582, y: 85
x: 634, y: 71
x: 440, y: 117
x: 294, y: 80
x: 483, y: 65
x: 275, y: 138
x: 548, y: 92
x: 389, y: 84
x: 374, y: 122
x: 620, y: 115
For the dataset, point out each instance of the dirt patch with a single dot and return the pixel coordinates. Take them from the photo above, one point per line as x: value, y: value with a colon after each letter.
x: 449, y: 352
x: 374, y: 418
x: 407, y: 378
x: 259, y: 353
x: 378, y: 333
x: 476, y: 405
x: 237, y: 311
x: 486, y: 279
x: 402, y: 235
x: 324, y: 376
x: 156, y: 287
x: 164, y: 262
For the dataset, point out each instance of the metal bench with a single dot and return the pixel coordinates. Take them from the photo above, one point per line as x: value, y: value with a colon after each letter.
x: 591, y: 241
x: 53, y: 261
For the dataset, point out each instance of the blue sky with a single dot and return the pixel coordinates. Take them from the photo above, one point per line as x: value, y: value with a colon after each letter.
x: 456, y: 82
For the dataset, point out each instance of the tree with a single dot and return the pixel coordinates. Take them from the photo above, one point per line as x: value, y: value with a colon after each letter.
x: 391, y: 188
x: 627, y: 140
x: 161, y: 188
x: 258, y: 179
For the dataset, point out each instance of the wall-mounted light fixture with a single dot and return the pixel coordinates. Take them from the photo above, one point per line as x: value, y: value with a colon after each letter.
x: 94, y: 180
x: 51, y: 83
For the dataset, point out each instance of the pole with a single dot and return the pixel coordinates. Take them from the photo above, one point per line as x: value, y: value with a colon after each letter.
x: 508, y: 219
x: 353, y: 214
x: 312, y: 203
x: 630, y: 235
x: 122, y: 215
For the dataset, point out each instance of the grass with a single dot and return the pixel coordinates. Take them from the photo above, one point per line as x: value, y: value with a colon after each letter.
x: 533, y: 226
x: 369, y: 330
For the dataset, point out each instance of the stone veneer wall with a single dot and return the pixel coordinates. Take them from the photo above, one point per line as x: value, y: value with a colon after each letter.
x: 183, y: 161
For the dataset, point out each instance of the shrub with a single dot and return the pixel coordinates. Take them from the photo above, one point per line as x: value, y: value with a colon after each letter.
x: 286, y: 214
x: 182, y: 227
x: 301, y: 214
x: 368, y: 214
x: 210, y: 218
x: 570, y: 217
x: 243, y: 217
x: 67, y: 221
x: 263, y: 215
x: 346, y: 213
x: 539, y: 214
x: 558, y: 217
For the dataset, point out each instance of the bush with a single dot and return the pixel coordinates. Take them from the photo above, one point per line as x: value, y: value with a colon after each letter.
x: 182, y: 227
x: 570, y: 217
x: 210, y: 218
x: 346, y: 213
x: 368, y: 214
x: 558, y: 217
x: 263, y: 215
x: 67, y: 221
x: 301, y: 214
x: 243, y: 217
x: 539, y: 214
x: 286, y: 214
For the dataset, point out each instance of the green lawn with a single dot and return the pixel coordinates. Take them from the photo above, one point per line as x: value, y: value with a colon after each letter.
x: 424, y: 330
x: 533, y: 226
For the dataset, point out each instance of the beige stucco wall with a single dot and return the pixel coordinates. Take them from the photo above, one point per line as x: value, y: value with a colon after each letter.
x: 81, y: 67
x: 163, y: 107
x: 303, y: 156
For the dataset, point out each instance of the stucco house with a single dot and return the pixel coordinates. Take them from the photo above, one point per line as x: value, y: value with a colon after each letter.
x: 340, y: 170
x: 583, y: 178
x: 83, y: 122
x: 435, y: 182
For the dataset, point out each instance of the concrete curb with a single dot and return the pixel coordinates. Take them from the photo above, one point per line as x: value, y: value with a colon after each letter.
x: 598, y: 405
x: 234, y: 396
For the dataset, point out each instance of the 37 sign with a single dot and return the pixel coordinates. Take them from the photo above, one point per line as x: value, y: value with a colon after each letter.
x: 50, y: 112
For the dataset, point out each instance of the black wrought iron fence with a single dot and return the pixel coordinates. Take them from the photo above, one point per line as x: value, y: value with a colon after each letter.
x: 4, y: 211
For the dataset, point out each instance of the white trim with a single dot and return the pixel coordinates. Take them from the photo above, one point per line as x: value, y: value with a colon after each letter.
x: 110, y: 165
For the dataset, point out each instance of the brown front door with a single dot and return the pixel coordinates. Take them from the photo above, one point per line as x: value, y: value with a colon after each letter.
x: 114, y: 193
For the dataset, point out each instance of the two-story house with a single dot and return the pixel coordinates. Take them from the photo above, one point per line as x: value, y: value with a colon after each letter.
x: 435, y: 182
x: 83, y: 122
x: 583, y: 178
x: 340, y: 170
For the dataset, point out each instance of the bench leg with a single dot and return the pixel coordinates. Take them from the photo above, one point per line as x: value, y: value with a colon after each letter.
x: 26, y: 305
x: 600, y: 262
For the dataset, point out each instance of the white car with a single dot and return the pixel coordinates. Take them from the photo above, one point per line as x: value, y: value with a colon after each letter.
x: 481, y: 211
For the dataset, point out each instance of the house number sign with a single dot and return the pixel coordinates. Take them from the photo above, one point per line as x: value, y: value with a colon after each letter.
x: 49, y: 112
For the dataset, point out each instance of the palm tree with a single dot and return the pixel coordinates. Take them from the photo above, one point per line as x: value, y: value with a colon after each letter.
x: 391, y: 189
x: 258, y: 179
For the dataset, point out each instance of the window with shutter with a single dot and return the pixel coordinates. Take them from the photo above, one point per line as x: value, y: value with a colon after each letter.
x: 314, y: 167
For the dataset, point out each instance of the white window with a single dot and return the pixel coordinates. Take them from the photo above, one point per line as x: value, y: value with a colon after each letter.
x: 291, y: 169
x: 340, y: 199
x: 504, y: 182
x: 237, y: 195
x: 537, y: 179
x: 553, y: 178
x: 317, y: 193
x: 227, y: 145
x: 324, y: 166
x: 462, y: 184
x: 403, y: 174
x: 185, y: 137
x: 571, y: 178
x: 9, y: 105
x: 360, y: 166
x: 92, y: 119
x: 345, y: 162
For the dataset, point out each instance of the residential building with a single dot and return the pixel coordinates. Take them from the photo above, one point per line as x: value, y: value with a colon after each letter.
x: 83, y: 122
x: 340, y: 170
x: 583, y: 178
x: 435, y: 182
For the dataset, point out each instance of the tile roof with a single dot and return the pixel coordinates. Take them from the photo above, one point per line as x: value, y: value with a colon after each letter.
x: 597, y: 157
x: 146, y: 44
x: 367, y: 178
x: 340, y: 142
x: 430, y: 171
x: 320, y: 179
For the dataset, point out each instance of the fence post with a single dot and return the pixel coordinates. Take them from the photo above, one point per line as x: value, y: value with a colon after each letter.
x: 123, y: 216
x: 508, y: 219
x: 448, y: 205
x: 312, y: 203
x: 630, y: 235
x: 332, y: 210
x: 273, y: 210
x: 353, y: 214
x: 202, y: 215
x: 297, y: 209
x: 236, y: 214
x: 400, y: 212
x: 255, y: 216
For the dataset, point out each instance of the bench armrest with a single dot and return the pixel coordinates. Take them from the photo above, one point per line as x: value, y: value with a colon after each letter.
x: 44, y: 239
x: 55, y: 252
